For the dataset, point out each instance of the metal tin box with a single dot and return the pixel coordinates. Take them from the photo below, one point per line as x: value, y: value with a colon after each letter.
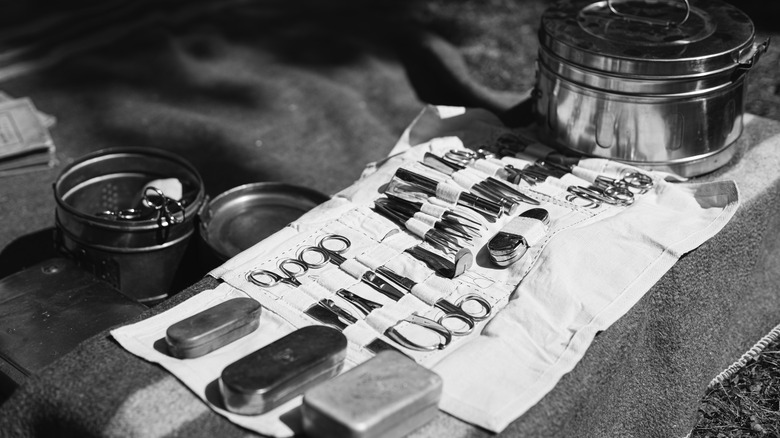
x: 387, y: 396
x: 138, y: 256
x: 213, y: 328
x: 282, y: 370
x: 657, y: 84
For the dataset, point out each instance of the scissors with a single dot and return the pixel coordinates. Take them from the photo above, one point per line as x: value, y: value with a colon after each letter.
x: 154, y: 202
x: 466, y: 156
x: 638, y: 180
x: 598, y: 195
x: 451, y: 310
x: 169, y: 211
x: 328, y: 249
x: 366, y: 306
x: 457, y: 311
x: 292, y: 268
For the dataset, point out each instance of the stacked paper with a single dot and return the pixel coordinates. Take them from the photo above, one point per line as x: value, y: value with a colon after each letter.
x: 25, y: 143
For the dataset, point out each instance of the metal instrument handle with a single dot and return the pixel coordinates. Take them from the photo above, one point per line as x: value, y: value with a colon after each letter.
x: 255, y: 277
x: 451, y: 311
x: 328, y: 255
x: 650, y: 20
x: 363, y: 304
x: 638, y: 180
x: 486, y: 311
x: 426, y: 323
x: 406, y: 283
x: 343, y: 240
x: 338, y: 311
x: 300, y: 269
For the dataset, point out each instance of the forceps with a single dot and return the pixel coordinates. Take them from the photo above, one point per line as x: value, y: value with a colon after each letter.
x: 291, y: 268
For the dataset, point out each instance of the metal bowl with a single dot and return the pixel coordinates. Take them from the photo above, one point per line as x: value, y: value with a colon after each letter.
x: 243, y: 216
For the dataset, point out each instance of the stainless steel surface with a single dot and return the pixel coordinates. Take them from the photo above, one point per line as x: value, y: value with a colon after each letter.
x: 247, y: 214
x: 386, y: 396
x: 213, y: 328
x: 659, y: 97
x: 589, y: 34
x: 140, y: 257
x: 656, y: 132
x: 283, y: 369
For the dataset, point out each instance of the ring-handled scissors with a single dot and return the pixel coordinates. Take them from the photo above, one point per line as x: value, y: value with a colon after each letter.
x: 598, y: 195
x: 291, y: 268
x: 638, y: 180
x: 456, y: 311
x: 155, y: 205
x: 451, y: 311
x: 328, y: 249
x: 466, y: 156
x: 169, y: 211
x: 366, y: 306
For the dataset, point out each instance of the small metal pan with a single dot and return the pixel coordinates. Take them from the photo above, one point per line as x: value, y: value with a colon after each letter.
x: 244, y: 215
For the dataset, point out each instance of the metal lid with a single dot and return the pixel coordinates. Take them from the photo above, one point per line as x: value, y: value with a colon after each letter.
x: 244, y: 215
x: 636, y: 38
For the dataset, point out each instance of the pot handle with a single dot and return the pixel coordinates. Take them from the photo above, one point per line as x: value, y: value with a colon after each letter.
x: 651, y: 20
x: 749, y: 57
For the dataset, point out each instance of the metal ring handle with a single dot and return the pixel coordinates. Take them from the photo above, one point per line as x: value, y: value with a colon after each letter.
x: 451, y: 311
x: 252, y: 276
x: 429, y: 324
x: 462, y: 157
x: 159, y: 193
x: 638, y: 180
x: 462, y: 317
x: 605, y: 195
x: 174, y: 217
x: 337, y: 238
x: 323, y: 258
x: 584, y: 193
x: 590, y: 202
x: 301, y: 269
x: 623, y: 195
x: 649, y: 20
x: 486, y: 311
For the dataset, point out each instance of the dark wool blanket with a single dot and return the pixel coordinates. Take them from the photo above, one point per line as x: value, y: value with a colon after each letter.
x: 308, y: 92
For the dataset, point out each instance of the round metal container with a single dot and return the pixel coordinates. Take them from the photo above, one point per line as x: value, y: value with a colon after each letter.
x: 139, y: 256
x: 657, y: 84
x: 244, y: 215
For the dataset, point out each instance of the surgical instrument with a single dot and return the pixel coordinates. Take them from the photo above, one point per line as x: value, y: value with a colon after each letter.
x: 429, y: 186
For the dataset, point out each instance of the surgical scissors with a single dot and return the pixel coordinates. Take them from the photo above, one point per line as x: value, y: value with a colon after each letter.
x: 455, y: 311
x: 267, y: 278
x: 154, y: 205
x: 292, y: 268
x: 467, y: 156
x: 163, y: 205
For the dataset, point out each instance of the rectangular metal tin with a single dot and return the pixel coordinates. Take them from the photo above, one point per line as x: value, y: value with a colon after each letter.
x: 387, y: 396
x: 213, y: 328
x: 282, y: 370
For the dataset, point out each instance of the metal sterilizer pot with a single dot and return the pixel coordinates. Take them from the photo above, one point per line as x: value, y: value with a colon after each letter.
x: 658, y: 84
